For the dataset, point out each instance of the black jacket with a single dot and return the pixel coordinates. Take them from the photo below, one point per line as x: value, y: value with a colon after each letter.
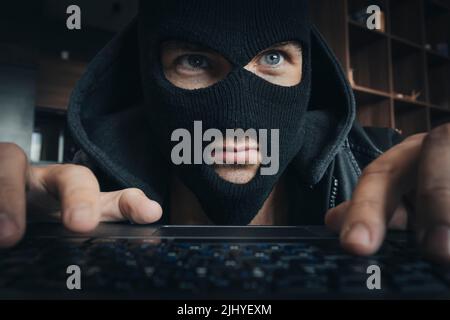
x: 106, y: 118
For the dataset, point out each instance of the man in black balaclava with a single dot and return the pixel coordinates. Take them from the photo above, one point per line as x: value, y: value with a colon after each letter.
x: 235, y: 72
x: 189, y: 70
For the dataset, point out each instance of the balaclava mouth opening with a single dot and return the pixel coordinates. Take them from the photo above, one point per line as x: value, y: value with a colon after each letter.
x: 238, y: 30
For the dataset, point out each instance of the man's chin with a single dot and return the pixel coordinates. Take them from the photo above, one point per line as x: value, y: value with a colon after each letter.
x: 237, y: 174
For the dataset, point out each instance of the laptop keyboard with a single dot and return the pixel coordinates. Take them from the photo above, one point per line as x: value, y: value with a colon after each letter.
x: 205, y: 268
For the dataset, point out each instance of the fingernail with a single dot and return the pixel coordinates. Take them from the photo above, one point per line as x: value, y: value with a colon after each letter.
x: 437, y: 242
x: 358, y: 234
x: 7, y: 226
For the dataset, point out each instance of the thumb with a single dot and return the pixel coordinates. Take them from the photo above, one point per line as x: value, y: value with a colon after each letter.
x: 129, y: 204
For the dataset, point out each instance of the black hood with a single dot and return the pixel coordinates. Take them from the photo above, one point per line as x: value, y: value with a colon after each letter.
x: 107, y: 119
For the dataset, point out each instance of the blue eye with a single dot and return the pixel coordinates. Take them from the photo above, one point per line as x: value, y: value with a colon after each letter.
x: 272, y: 59
x: 194, y: 61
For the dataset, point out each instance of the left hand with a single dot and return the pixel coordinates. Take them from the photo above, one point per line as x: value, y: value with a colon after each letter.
x: 417, y: 169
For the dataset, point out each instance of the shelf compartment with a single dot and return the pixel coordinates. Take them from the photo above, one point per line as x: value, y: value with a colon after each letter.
x: 439, y: 81
x: 373, y: 110
x: 357, y: 12
x: 369, y: 58
x: 333, y: 27
x: 437, y: 30
x: 410, y: 118
x: 406, y: 19
x: 439, y: 117
x: 408, y: 70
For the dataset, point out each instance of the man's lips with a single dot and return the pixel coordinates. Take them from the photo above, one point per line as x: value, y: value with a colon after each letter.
x: 240, y: 154
x: 236, y: 147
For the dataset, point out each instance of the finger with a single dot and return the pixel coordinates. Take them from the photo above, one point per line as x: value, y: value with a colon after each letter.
x: 129, y: 204
x: 335, y: 217
x: 433, y: 194
x: 399, y: 220
x: 13, y: 172
x: 79, y: 193
x: 377, y: 195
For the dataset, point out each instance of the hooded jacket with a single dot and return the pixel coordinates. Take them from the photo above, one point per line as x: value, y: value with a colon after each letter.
x: 106, y: 119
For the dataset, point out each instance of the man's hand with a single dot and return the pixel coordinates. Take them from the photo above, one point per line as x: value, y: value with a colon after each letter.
x: 69, y: 189
x: 417, y: 169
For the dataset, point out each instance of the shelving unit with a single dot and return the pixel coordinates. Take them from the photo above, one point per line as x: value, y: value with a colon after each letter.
x: 369, y: 47
x: 400, y: 74
x: 439, y: 80
x: 410, y: 118
x: 406, y: 19
x: 374, y: 108
x: 408, y: 70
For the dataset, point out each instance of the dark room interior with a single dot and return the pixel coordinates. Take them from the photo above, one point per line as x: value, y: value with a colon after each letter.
x: 400, y: 74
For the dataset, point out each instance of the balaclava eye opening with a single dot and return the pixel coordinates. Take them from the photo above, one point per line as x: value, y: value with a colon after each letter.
x: 238, y: 30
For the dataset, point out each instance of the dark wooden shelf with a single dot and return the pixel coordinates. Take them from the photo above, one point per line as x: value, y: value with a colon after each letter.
x: 408, y: 70
x: 373, y: 110
x: 358, y: 7
x: 406, y: 42
x: 411, y: 102
x: 369, y: 58
x: 364, y: 28
x: 437, y: 56
x: 438, y: 117
x: 437, y: 17
x: 410, y: 118
x: 403, y: 59
x: 438, y: 108
x: 438, y: 70
x: 406, y: 20
x: 370, y: 91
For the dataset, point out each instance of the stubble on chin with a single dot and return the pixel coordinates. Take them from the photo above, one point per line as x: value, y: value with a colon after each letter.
x: 235, y: 173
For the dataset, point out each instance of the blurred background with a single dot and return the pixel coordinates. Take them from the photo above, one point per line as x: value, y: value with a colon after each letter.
x: 400, y: 73
x: 40, y: 63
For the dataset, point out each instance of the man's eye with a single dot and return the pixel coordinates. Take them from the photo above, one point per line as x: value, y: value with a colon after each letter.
x: 272, y: 59
x: 193, y: 62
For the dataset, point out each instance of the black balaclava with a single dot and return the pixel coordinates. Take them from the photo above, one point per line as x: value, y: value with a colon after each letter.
x: 238, y: 30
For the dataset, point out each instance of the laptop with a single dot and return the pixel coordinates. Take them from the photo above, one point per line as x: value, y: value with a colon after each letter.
x: 123, y: 261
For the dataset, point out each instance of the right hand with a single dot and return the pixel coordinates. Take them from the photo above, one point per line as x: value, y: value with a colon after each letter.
x: 70, y: 190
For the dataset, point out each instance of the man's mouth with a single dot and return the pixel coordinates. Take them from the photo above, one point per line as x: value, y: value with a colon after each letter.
x: 237, y: 154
